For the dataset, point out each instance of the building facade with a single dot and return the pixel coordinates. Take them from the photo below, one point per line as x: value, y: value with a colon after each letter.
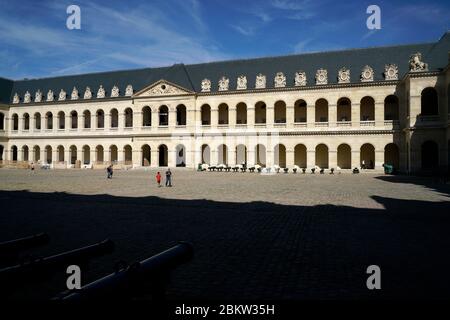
x: 346, y: 109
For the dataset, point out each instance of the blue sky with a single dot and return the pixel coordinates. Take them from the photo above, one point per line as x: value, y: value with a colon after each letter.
x: 116, y: 35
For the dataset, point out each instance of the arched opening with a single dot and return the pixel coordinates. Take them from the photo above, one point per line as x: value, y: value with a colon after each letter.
x: 114, y: 118
x: 60, y: 154
x: 2, y: 122
x: 280, y: 155
x: 37, y: 153
x: 222, y: 152
x: 367, y: 156
x: 73, y: 154
x: 128, y: 118
x: 163, y: 116
x: 367, y: 109
x: 26, y: 121
x: 128, y: 154
x: 49, y: 121
x: 344, y: 156
x: 300, y: 111
x: 206, y: 115
x: 61, y: 120
x: 322, y: 156
x: 163, y: 155
x: 280, y: 112
x: 430, y: 155
x: 392, y: 155
x: 181, y: 115
x: 344, y: 110
x: 241, y: 154
x: 86, y: 155
x: 87, y: 119
x: 260, y: 112
x: 181, y: 156
x: 206, y: 154
x: 14, y: 153
x: 300, y: 155
x: 74, y: 120
x: 15, y: 122
x: 146, y: 116
x: 99, y: 154
x: 321, y: 107
x: 100, y: 115
x: 48, y: 155
x: 241, y: 113
x: 37, y: 121
x: 223, y: 113
x: 26, y: 153
x: 391, y: 108
x: 429, y: 102
x: 113, y: 154
x: 260, y: 154
x: 146, y: 155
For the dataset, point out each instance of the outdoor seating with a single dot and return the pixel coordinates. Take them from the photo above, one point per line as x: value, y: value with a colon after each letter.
x: 355, y: 170
x: 276, y: 168
x: 322, y: 171
x: 286, y: 170
x: 332, y: 171
x: 313, y: 170
x: 251, y: 169
x: 303, y: 170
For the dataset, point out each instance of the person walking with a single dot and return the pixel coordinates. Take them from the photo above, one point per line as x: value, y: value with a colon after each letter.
x: 158, y: 179
x: 168, y: 178
x: 32, y: 167
x: 109, y: 171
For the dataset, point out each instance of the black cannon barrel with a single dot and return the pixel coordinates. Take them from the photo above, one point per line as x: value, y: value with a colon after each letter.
x: 124, y: 280
x: 24, y: 243
x: 49, y: 264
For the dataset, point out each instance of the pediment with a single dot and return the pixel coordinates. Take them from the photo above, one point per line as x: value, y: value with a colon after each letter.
x: 162, y: 88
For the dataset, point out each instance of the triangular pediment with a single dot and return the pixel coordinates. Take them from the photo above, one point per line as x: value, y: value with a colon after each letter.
x: 162, y: 88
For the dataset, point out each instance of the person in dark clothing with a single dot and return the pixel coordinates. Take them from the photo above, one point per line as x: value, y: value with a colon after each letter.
x: 109, y: 171
x: 168, y: 178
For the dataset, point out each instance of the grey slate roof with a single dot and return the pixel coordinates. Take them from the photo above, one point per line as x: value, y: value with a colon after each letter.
x: 190, y: 76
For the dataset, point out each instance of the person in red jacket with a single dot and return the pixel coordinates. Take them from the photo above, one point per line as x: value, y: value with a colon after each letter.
x: 158, y: 179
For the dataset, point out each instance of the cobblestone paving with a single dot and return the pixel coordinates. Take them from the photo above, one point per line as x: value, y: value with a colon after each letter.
x: 284, y: 236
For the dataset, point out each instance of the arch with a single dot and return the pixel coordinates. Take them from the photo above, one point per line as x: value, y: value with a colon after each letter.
x: 73, y: 154
x: 300, y: 111
x: 206, y: 114
x: 430, y: 155
x: 2, y: 122
x: 61, y: 120
x: 49, y: 120
x: 322, y: 156
x: 146, y: 116
x: 344, y: 156
x: 300, y: 155
x: 241, y: 154
x: 128, y: 154
x: 26, y: 153
x: 241, y: 113
x: 146, y: 155
x: 37, y: 153
x: 26, y: 121
x: 114, y: 121
x: 222, y: 154
x: 260, y: 155
x: 391, y: 108
x: 113, y: 154
x: 280, y: 155
x: 37, y: 121
x: 163, y: 155
x: 100, y: 115
x: 87, y: 119
x: 163, y: 115
x: 74, y: 119
x: 181, y: 115
x: 392, y: 155
x: 181, y: 156
x: 15, y: 122
x: 367, y: 156
x: 367, y: 109
x: 223, y: 113
x: 14, y: 153
x: 344, y: 109
x: 86, y: 154
x: 99, y: 154
x: 429, y: 102
x: 128, y: 118
x: 206, y: 154
x: 48, y: 155
x: 260, y: 112
x: 60, y: 153
x: 280, y: 112
x: 321, y: 112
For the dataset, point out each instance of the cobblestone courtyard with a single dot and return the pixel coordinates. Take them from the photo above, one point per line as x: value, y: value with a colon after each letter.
x: 284, y: 236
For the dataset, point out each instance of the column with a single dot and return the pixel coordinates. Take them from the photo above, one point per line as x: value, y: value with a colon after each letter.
x: 356, y: 156
x: 332, y: 115
x: 250, y: 116
x: 290, y: 113
x: 332, y: 159
x: 270, y: 115
x: 310, y: 115
x: 379, y: 159
x: 136, y: 155
x: 137, y: 120
x: 356, y: 114
x: 172, y: 117
x: 379, y: 114
x: 19, y: 154
x: 310, y: 158
x: 251, y: 155
x: 232, y: 115
x: 120, y: 155
x: 290, y: 158
x: 214, y: 117
x: 232, y: 155
x: 92, y: 155
x: 214, y: 156
x: 154, y: 157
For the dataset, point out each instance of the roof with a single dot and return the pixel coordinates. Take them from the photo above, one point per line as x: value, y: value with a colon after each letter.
x: 191, y: 76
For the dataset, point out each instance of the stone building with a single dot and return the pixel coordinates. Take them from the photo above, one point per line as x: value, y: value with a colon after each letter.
x: 331, y: 109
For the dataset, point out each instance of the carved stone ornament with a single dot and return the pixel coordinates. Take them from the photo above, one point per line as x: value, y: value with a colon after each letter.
x: 87, y: 93
x: 224, y: 84
x: 279, y: 80
x: 344, y: 75
x: 16, y: 98
x: 162, y: 89
x: 129, y: 90
x: 206, y: 85
x: 390, y: 72
x: 241, y: 83
x: 74, y: 95
x: 115, y: 92
x: 300, y: 78
x: 50, y: 95
x: 101, y: 92
x: 62, y: 95
x: 416, y: 64
x: 38, y: 96
x: 27, y: 97
x: 367, y: 74
x: 260, y: 82
x: 321, y: 76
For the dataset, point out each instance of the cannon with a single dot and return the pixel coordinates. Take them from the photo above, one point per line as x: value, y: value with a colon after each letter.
x: 9, y: 250
x: 151, y: 274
